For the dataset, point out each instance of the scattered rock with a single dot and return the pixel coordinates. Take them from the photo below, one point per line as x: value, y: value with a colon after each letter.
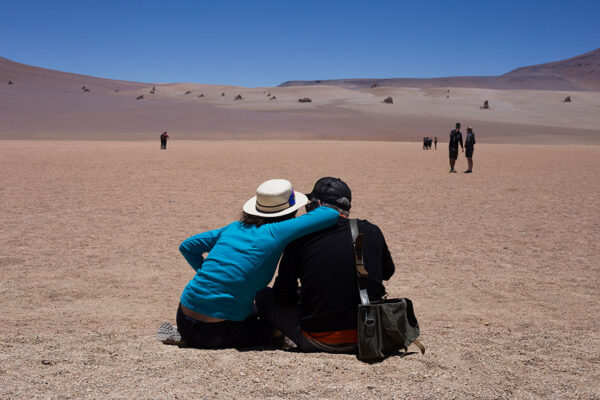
x: 487, y: 323
x: 305, y: 100
x: 201, y: 95
x: 10, y: 83
x: 83, y: 88
x: 485, y: 106
x: 447, y: 97
x: 152, y: 92
x: 505, y: 247
x: 567, y: 99
x: 273, y: 98
x: 86, y: 90
x: 374, y: 85
x: 223, y: 94
x: 238, y: 97
x: 188, y: 92
x: 388, y: 100
x: 140, y: 97
x: 47, y: 362
x: 116, y: 90
x: 268, y: 94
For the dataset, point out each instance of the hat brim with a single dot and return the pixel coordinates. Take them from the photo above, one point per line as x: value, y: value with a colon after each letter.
x: 250, y: 207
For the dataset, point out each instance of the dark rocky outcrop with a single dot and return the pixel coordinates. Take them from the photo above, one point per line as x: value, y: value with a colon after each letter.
x: 238, y: 97
x: 305, y: 100
x: 388, y: 100
x: 567, y: 99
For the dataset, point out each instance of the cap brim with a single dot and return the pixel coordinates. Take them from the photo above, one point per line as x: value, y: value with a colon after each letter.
x: 250, y: 207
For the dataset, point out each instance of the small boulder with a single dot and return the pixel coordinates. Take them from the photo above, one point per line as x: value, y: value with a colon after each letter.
x: 305, y: 100
x: 86, y: 90
x: 223, y: 94
x: 188, y: 92
x: 140, y: 97
x: 10, y: 83
x: 238, y: 97
x: 374, y: 85
x: 388, y: 100
x: 567, y: 99
x: 273, y: 98
x: 83, y: 88
x: 117, y: 90
x: 485, y: 106
x: 201, y: 95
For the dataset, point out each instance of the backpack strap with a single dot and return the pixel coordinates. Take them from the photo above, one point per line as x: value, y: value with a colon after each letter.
x: 361, y: 272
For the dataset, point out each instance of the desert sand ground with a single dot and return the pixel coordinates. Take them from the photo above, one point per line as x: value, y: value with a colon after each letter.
x: 503, y: 267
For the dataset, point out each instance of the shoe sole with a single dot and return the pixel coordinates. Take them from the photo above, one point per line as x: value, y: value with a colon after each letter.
x: 168, y: 334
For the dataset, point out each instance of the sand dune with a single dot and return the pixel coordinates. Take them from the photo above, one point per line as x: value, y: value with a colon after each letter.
x: 44, y: 104
x: 502, y: 265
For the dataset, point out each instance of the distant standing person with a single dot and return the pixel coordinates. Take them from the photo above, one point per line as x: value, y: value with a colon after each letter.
x: 435, y: 142
x: 455, y: 140
x: 469, y: 147
x: 163, y: 140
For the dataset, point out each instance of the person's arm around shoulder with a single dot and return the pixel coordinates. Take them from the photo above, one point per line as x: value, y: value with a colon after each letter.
x: 320, y: 218
x: 194, y: 247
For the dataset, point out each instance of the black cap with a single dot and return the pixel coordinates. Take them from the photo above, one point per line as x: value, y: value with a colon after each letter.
x: 458, y: 124
x: 333, y: 191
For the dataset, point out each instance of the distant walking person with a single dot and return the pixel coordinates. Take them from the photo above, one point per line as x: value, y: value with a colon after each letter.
x: 455, y: 140
x: 435, y: 142
x: 469, y: 147
x: 163, y: 140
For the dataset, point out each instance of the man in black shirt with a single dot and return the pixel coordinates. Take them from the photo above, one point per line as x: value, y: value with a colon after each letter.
x: 469, y: 147
x: 321, y: 315
x: 455, y: 140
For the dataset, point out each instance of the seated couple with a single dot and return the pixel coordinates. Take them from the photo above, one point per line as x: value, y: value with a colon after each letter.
x: 227, y: 303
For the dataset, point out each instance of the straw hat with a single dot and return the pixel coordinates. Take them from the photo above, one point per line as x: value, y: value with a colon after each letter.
x: 274, y: 198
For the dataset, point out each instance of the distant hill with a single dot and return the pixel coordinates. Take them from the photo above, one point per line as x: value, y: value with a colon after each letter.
x: 578, y: 73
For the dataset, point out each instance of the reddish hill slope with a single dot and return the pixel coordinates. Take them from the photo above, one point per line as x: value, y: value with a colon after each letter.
x: 578, y: 73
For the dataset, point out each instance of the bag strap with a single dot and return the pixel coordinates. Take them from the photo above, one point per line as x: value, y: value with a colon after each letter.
x: 361, y: 272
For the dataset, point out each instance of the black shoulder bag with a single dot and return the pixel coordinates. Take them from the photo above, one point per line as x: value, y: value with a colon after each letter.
x: 384, y: 326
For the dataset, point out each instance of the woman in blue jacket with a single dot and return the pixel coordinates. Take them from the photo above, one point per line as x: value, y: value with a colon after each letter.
x: 216, y: 309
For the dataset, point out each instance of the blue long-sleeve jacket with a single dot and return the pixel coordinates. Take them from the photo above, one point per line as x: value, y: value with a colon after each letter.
x: 241, y: 261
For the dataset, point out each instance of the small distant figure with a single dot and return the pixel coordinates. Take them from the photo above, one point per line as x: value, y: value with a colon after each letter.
x: 435, y: 142
x: 427, y: 143
x: 469, y: 147
x: 163, y: 140
x: 455, y: 140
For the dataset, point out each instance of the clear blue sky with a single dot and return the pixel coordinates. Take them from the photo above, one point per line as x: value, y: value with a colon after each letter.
x: 263, y: 43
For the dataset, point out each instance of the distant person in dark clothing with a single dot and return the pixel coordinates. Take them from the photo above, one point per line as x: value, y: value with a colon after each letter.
x: 163, y: 140
x: 321, y: 314
x: 469, y: 147
x: 435, y: 142
x: 455, y: 140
